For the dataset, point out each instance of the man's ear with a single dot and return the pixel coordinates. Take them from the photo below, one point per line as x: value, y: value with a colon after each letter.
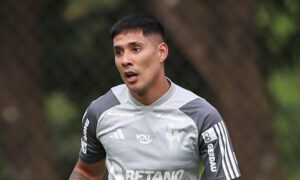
x: 163, y: 51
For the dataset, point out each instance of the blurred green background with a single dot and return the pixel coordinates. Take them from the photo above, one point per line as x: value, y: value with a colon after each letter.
x: 56, y: 57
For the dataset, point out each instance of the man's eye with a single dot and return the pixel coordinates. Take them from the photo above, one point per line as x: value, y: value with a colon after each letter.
x: 118, y: 52
x: 136, y: 49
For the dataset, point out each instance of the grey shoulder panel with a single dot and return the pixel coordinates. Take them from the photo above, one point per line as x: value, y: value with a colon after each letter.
x: 92, y: 150
x: 202, y: 113
x: 103, y: 103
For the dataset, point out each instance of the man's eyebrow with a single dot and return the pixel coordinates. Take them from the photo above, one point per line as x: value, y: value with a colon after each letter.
x: 117, y: 47
x: 135, y: 43
x: 130, y: 44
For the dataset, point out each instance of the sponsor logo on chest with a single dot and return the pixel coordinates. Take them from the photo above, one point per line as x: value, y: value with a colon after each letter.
x: 117, y: 173
x: 154, y: 175
x: 144, y: 138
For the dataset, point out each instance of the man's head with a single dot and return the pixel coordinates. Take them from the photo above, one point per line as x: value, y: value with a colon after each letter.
x: 140, y: 51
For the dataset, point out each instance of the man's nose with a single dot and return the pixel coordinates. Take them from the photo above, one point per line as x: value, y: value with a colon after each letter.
x: 126, y: 59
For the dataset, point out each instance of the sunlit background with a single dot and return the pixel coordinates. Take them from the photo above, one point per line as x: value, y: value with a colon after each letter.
x: 56, y: 57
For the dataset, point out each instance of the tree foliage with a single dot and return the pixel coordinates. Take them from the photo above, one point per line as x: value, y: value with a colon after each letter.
x: 278, y: 32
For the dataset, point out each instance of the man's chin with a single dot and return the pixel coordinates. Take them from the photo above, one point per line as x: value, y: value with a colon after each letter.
x: 135, y: 89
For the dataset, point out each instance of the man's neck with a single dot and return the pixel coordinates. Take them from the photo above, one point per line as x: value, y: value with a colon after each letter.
x: 153, y: 94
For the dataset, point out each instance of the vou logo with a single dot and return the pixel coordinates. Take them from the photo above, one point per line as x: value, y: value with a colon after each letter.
x: 144, y: 138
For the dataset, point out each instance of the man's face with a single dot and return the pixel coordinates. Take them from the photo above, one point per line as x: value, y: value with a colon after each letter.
x: 139, y: 59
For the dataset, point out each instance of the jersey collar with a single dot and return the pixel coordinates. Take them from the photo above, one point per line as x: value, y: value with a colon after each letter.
x: 158, y: 102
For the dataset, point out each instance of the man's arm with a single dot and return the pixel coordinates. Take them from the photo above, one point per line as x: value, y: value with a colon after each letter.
x: 84, y: 171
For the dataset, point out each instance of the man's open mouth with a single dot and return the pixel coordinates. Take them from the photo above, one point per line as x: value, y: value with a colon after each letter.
x: 130, y: 74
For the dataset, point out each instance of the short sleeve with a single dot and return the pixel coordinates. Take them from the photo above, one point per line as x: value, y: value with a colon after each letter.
x: 91, y: 149
x: 214, y: 144
x: 216, y: 149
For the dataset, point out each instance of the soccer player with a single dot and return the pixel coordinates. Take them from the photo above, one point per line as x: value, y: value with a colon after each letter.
x: 150, y: 128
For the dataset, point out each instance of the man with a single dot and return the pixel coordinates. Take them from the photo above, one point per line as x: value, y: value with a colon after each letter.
x: 150, y: 128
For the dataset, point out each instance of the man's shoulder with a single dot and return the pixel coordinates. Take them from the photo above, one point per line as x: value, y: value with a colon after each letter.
x: 182, y: 92
x: 185, y: 97
x: 199, y: 110
x: 110, y: 99
x: 192, y: 101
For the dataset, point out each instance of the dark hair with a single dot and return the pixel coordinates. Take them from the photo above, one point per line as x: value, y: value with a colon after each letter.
x: 148, y: 24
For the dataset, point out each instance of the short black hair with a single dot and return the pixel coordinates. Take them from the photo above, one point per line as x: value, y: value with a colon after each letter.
x: 147, y: 23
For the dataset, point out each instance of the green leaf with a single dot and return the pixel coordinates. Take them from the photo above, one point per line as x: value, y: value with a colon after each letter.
x: 60, y: 110
x: 283, y: 26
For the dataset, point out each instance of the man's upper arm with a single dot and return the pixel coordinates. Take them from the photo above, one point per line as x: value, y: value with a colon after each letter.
x: 84, y: 171
x: 91, y: 150
x: 216, y: 149
x: 92, y: 154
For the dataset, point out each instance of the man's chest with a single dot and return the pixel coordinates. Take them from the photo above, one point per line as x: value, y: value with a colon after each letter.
x: 144, y: 138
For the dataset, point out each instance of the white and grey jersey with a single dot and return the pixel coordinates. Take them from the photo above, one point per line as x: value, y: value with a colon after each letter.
x: 163, y: 141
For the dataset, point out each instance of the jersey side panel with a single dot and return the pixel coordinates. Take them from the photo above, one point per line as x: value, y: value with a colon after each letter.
x: 92, y: 150
x: 214, y: 142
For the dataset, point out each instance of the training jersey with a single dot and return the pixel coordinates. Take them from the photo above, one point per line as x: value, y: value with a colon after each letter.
x: 166, y: 140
